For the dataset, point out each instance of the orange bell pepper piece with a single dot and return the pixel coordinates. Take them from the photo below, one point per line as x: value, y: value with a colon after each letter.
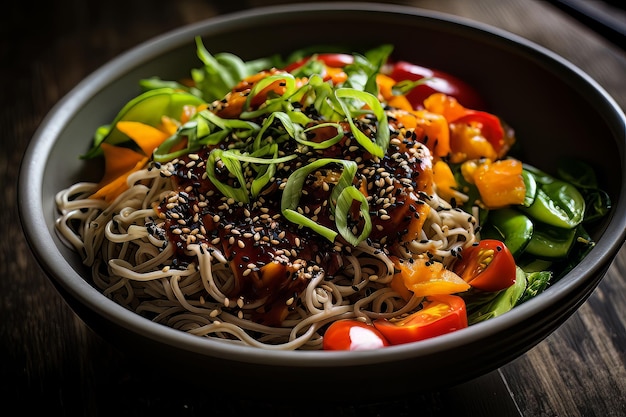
x: 500, y: 183
x: 430, y: 129
x: 120, y: 161
x: 385, y: 87
x: 444, y: 105
x: 424, y: 277
x: 467, y: 142
x: 238, y: 96
x: 444, y: 179
x: 474, y: 133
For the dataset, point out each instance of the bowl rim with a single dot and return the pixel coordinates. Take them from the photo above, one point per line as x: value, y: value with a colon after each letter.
x: 45, y: 249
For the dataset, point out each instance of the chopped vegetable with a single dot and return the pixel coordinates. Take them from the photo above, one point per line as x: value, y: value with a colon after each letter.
x: 500, y: 183
x: 550, y: 242
x: 444, y: 179
x: 487, y: 266
x: 440, y: 314
x: 511, y: 226
x: 424, y: 277
x: 431, y: 129
x: 557, y: 202
x: 501, y: 302
x: 120, y: 161
x: 147, y: 108
x: 432, y: 81
x: 349, y: 334
x: 325, y: 122
x: 474, y: 134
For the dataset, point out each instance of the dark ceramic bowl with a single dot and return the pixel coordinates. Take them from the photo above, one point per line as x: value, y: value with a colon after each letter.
x: 556, y: 109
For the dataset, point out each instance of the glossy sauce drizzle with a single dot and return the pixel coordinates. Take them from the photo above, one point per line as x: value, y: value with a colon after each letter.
x: 273, y: 259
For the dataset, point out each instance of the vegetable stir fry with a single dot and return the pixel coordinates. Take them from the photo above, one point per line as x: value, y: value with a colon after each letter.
x: 321, y: 157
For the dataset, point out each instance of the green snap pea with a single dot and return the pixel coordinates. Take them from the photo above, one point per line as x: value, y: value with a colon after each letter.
x: 531, y: 188
x: 557, y: 203
x: 514, y: 227
x: 550, y: 242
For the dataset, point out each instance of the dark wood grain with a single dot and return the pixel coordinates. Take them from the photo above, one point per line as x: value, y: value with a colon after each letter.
x: 51, y: 362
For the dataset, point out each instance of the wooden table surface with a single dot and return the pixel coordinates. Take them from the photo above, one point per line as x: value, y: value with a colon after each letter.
x: 51, y: 362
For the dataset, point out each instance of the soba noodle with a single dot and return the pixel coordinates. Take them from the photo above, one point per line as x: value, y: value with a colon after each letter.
x: 126, y: 261
x: 189, y: 284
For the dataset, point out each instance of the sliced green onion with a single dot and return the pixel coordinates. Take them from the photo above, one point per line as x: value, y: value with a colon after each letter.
x: 294, y: 130
x: 405, y: 86
x: 297, y: 218
x: 344, y: 205
x: 232, y: 153
x: 319, y: 94
x: 205, y: 128
x: 327, y: 104
x: 228, y: 124
x: 234, y: 167
x: 290, y: 87
x: 293, y: 191
x: 328, y: 142
x: 345, y: 181
x: 378, y: 147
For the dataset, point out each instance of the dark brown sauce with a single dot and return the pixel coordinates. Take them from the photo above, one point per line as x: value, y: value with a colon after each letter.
x: 272, y: 258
